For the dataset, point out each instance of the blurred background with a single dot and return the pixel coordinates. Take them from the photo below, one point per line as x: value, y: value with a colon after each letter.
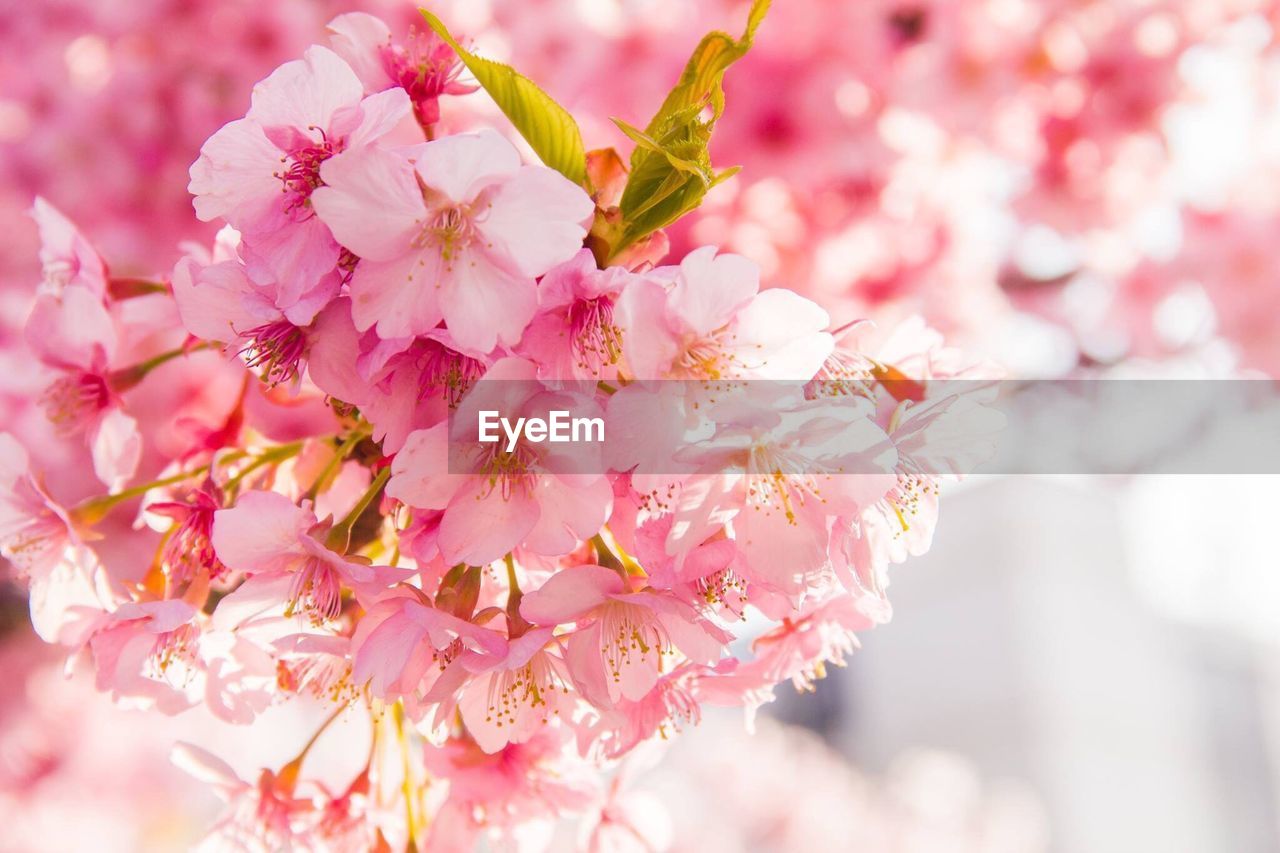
x: 1069, y: 188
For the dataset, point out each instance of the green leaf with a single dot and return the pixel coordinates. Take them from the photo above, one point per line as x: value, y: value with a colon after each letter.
x: 700, y: 84
x: 545, y: 125
x: 671, y: 168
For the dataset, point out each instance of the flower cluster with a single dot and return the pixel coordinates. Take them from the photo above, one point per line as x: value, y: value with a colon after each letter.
x: 316, y: 524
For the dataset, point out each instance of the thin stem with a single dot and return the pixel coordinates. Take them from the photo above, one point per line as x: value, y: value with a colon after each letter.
x: 337, y: 712
x: 275, y: 454
x: 619, y: 559
x: 340, y: 536
x: 605, y: 555
x: 290, y: 772
x: 128, y: 377
x: 93, y: 510
x: 339, y: 456
x: 397, y: 714
x: 513, y: 583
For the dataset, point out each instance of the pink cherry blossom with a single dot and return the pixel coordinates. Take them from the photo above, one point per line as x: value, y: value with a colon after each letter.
x: 777, y: 469
x: 36, y: 534
x: 494, y: 499
x: 265, y: 534
x: 319, y: 524
x: 221, y: 303
x: 401, y: 384
x: 189, y: 548
x: 510, y: 699
x: 404, y: 645
x: 799, y: 649
x: 75, y: 331
x: 574, y: 335
x: 70, y: 594
x: 425, y: 67
x: 260, y: 172
x: 456, y: 229
x: 148, y: 654
x: 625, y: 637
x: 66, y: 256
x: 710, y: 321
x: 261, y: 815
x: 511, y: 796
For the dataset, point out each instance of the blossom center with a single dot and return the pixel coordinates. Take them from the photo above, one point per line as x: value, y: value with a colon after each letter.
x: 508, y: 471
x: 724, y: 588
x: 707, y: 357
x: 189, y: 548
x: 447, y: 372
x: 450, y: 229
x: 776, y: 481
x: 175, y: 647
x: 630, y: 634
x: 35, y: 542
x: 515, y: 691
x: 277, y: 348
x: 595, y: 339
x: 321, y: 676
x: 300, y: 175
x: 906, y: 497
x: 317, y: 591
x: 425, y: 68
x: 72, y: 401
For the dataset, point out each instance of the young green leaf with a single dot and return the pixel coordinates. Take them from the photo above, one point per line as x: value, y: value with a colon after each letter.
x: 545, y: 125
x: 671, y: 169
x: 701, y: 83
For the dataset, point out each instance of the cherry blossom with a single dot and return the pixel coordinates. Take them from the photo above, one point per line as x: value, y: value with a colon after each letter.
x: 260, y: 172
x: 710, y: 321
x: 456, y: 229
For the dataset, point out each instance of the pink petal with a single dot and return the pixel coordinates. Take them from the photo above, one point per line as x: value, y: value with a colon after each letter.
x: 371, y: 201
x: 335, y: 346
x: 483, y: 304
x: 235, y: 169
x: 69, y: 603
x: 358, y: 38
x: 260, y: 533
x: 481, y: 525
x: 116, y: 446
x: 206, y: 767
x: 570, y: 594
x: 391, y: 654
x: 260, y: 595
x: 395, y: 411
x: 779, y: 335
x: 462, y: 165
x: 400, y: 297
x: 586, y: 664
x: 570, y: 512
x: 537, y: 219
x: 648, y: 340
x: 420, y: 474
x: 211, y: 300
x: 14, y: 465
x: 307, y: 92
x: 380, y: 114
x: 65, y: 251
x: 71, y: 330
x: 711, y: 288
x: 291, y: 256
